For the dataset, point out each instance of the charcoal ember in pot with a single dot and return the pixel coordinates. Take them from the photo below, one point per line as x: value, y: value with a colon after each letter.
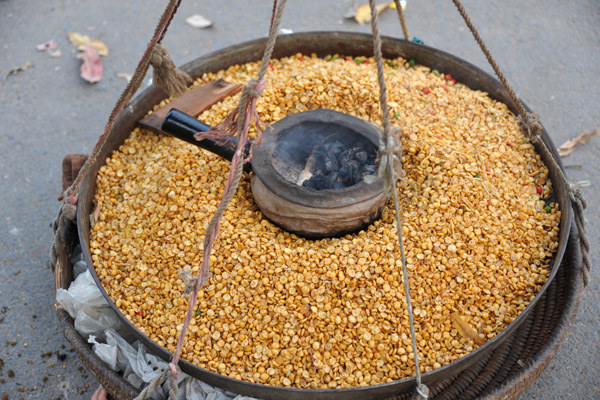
x: 335, y: 166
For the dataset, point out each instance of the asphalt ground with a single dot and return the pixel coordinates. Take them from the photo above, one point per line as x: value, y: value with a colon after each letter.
x: 549, y: 51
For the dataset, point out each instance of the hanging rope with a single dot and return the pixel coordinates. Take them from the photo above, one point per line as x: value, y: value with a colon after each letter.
x: 131, y: 88
x: 241, y: 118
x: 64, y: 225
x: 239, y: 121
x: 401, y: 18
x: 390, y: 167
x: 273, y: 12
x: 167, y: 74
x: 529, y: 121
x: 533, y: 130
x: 579, y: 205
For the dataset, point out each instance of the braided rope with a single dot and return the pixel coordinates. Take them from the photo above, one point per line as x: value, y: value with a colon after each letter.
x: 131, y: 88
x: 533, y: 128
x: 390, y: 152
x: 245, y: 113
x: 521, y: 110
x: 401, y: 18
x: 579, y: 205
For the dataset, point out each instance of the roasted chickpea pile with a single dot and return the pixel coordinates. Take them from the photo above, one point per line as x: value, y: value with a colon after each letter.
x: 286, y: 311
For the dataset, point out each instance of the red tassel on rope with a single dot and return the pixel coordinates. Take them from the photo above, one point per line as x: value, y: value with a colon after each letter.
x: 228, y: 128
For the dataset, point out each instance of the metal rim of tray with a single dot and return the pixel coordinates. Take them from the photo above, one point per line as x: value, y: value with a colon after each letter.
x: 351, y: 44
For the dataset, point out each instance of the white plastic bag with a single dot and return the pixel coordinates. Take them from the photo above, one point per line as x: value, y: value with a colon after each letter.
x: 139, y: 367
x: 85, y: 303
x: 97, y: 321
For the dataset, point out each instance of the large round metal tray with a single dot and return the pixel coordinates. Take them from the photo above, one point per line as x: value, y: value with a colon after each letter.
x: 323, y: 43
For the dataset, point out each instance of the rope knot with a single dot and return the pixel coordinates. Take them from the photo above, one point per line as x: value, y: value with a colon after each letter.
x: 390, y: 155
x: 173, y: 369
x: 421, y: 392
x: 240, y: 117
x: 392, y: 144
x: 166, y: 74
x: 63, y: 228
x: 577, y: 193
x: 531, y: 126
x: 69, y: 211
x: 167, y: 374
x: 255, y: 88
x: 159, y: 56
x: 190, y: 281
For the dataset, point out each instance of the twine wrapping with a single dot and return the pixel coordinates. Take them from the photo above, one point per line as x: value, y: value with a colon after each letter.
x: 166, y: 74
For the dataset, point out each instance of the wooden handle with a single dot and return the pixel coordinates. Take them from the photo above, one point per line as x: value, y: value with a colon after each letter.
x: 193, y: 102
x: 182, y: 126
